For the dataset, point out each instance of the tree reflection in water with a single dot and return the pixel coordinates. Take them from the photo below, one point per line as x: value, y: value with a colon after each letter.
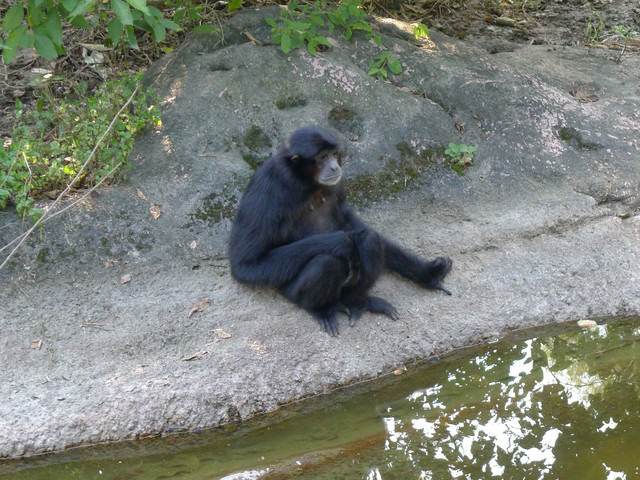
x: 544, y: 408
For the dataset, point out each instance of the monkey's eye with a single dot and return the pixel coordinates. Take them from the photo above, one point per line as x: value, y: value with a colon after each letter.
x: 323, y: 156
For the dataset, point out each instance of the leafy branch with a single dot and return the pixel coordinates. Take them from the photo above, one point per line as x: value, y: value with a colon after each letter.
x: 38, y: 24
x: 300, y: 25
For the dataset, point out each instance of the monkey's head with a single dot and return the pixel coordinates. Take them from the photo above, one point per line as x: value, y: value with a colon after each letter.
x: 315, y: 154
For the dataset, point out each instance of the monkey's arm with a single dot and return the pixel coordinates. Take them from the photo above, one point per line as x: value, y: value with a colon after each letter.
x: 280, y: 265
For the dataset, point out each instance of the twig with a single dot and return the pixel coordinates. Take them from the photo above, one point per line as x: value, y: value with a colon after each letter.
x: 83, y: 197
x: 46, y: 215
x: 28, y: 182
x: 64, y: 209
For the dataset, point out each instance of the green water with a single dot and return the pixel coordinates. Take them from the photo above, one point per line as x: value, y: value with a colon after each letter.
x: 559, y: 403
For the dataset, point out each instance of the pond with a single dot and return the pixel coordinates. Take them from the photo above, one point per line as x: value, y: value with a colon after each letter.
x: 554, y: 403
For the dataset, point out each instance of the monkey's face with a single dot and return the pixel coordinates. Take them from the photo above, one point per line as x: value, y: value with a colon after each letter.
x: 328, y: 168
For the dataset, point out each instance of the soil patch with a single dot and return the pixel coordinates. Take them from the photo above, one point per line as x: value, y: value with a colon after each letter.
x: 531, y: 22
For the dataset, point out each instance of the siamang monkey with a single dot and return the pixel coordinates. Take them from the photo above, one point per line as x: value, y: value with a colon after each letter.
x: 295, y: 232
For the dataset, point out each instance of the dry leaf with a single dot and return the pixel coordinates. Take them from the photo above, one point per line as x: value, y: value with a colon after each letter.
x: 36, y: 344
x: 252, y: 40
x: 141, y: 195
x: 200, y: 306
x: 195, y: 356
x: 126, y: 278
x: 218, y: 332
x: 109, y: 263
x: 399, y: 371
x: 155, y: 211
x: 257, y: 347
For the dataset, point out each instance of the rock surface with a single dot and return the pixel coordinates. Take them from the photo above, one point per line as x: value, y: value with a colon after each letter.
x: 97, y: 337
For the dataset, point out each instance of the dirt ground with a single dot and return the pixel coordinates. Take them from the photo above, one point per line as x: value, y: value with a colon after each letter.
x: 555, y: 22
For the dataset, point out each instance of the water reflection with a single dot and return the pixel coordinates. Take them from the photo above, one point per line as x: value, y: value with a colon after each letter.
x: 537, y: 409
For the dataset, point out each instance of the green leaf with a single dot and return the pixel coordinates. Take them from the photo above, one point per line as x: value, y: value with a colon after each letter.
x: 316, y: 19
x: 15, y: 38
x: 234, y: 5
x: 379, y: 73
x: 82, y: 7
x: 140, y: 5
x: 4, y: 196
x: 381, y: 59
x: 80, y: 22
x: 69, y: 5
x: 361, y: 25
x: 45, y: 47
x: 115, y: 29
x: 300, y: 26
x: 297, y: 41
x: 13, y: 17
x: 205, y: 28
x: 270, y: 21
x: 53, y: 28
x: 154, y: 12
x: 166, y: 23
x: 394, y: 65
x: 285, y: 42
x: 158, y: 32
x: 320, y: 40
x: 131, y: 38
x: 420, y: 30
x: 375, y: 38
x: 122, y: 11
x: 26, y: 41
x: 34, y: 13
x: 312, y: 44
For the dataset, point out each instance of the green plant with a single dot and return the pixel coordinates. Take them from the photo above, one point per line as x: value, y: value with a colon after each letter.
x: 350, y: 17
x: 38, y: 23
x: 194, y: 16
x: 459, y: 156
x: 378, y: 66
x: 420, y: 30
x: 623, y: 32
x: 593, y: 32
x: 300, y: 25
x: 50, y: 145
x: 297, y: 27
x: 234, y: 5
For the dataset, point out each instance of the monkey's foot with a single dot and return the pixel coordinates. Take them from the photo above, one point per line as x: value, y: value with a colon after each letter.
x: 373, y: 305
x: 327, y: 318
x: 436, y: 271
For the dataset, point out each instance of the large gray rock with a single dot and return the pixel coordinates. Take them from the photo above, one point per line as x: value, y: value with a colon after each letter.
x: 542, y: 228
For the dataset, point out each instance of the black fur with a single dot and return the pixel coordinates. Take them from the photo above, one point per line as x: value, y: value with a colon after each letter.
x: 299, y: 236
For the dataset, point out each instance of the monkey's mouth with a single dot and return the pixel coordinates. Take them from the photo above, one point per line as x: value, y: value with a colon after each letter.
x: 331, y: 181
